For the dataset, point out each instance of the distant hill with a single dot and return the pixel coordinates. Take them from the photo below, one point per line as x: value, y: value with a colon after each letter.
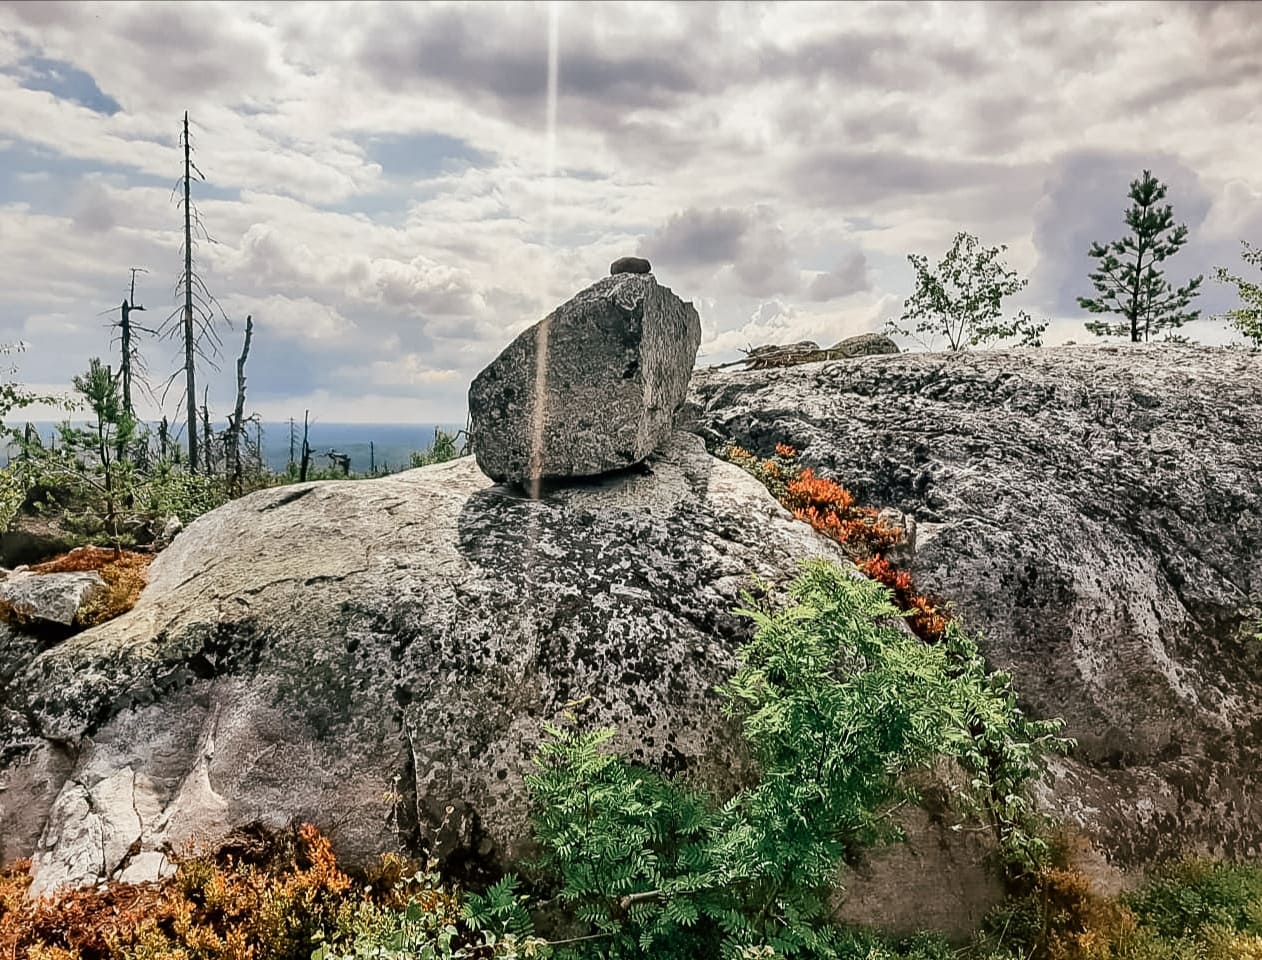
x: 385, y: 444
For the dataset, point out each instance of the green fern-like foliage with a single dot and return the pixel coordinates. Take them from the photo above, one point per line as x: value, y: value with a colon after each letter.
x: 836, y: 702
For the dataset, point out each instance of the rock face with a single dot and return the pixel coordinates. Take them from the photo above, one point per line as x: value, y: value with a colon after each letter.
x: 1096, y: 513
x: 615, y: 366
x: 387, y: 684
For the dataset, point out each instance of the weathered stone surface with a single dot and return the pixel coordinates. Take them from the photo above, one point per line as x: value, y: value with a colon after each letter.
x: 629, y: 265
x: 397, y: 678
x: 864, y: 345
x: 1096, y: 513
x: 54, y: 597
x: 617, y: 361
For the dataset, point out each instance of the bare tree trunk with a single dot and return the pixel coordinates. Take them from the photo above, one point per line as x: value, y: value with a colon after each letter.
x: 238, y: 413
x: 190, y: 385
x: 206, y: 434
x: 306, y: 449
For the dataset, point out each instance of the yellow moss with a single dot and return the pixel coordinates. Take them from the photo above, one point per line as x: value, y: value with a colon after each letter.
x: 125, y: 573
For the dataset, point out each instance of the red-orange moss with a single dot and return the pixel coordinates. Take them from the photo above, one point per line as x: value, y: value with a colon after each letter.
x: 262, y: 898
x: 832, y: 510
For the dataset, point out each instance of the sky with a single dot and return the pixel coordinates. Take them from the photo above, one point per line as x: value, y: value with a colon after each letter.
x: 393, y: 195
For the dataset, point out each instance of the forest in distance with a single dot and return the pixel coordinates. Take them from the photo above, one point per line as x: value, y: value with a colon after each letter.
x: 374, y: 448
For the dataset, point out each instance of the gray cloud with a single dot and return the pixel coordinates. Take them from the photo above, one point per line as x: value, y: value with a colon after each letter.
x: 750, y: 244
x: 846, y: 177
x: 849, y: 276
x: 743, y: 147
x: 698, y: 238
x: 498, y: 54
x: 188, y: 50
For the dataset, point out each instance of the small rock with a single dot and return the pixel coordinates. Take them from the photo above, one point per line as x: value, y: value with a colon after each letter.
x: 54, y: 597
x: 903, y: 553
x: 865, y: 345
x: 167, y: 531
x: 629, y: 265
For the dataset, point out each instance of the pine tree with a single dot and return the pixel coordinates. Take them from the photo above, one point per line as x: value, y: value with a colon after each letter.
x: 1127, y: 277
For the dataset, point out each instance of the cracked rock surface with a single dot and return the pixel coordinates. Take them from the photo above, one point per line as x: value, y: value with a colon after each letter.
x: 377, y: 657
x: 1096, y: 514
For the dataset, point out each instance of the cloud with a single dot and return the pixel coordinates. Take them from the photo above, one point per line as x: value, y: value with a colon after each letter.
x: 746, y: 248
x: 849, y: 276
x: 387, y: 200
x: 300, y: 318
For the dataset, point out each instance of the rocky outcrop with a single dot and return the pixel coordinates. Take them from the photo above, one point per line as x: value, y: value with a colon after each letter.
x: 378, y: 656
x: 593, y: 387
x: 1096, y: 514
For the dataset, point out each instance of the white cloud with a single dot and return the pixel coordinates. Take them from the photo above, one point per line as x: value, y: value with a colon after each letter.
x: 778, y: 162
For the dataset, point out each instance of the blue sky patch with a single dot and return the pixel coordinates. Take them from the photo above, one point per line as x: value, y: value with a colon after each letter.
x: 423, y: 155
x: 46, y: 179
x: 66, y: 82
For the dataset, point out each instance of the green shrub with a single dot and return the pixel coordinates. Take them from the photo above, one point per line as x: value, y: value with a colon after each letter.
x: 170, y: 490
x: 1185, y: 899
x: 443, y: 448
x: 836, y: 703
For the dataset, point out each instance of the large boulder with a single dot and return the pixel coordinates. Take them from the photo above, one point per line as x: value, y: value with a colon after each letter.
x: 593, y: 387
x: 1096, y: 514
x: 378, y: 656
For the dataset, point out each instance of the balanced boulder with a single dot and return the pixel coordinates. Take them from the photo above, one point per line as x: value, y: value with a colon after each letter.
x: 629, y: 265
x: 593, y: 387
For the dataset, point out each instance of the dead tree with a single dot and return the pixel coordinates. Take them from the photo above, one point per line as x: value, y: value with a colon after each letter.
x: 130, y: 360
x: 237, y: 422
x: 340, y: 460
x: 306, y: 449
x: 195, y: 328
x: 130, y: 355
x: 258, y: 445
x: 207, y: 436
